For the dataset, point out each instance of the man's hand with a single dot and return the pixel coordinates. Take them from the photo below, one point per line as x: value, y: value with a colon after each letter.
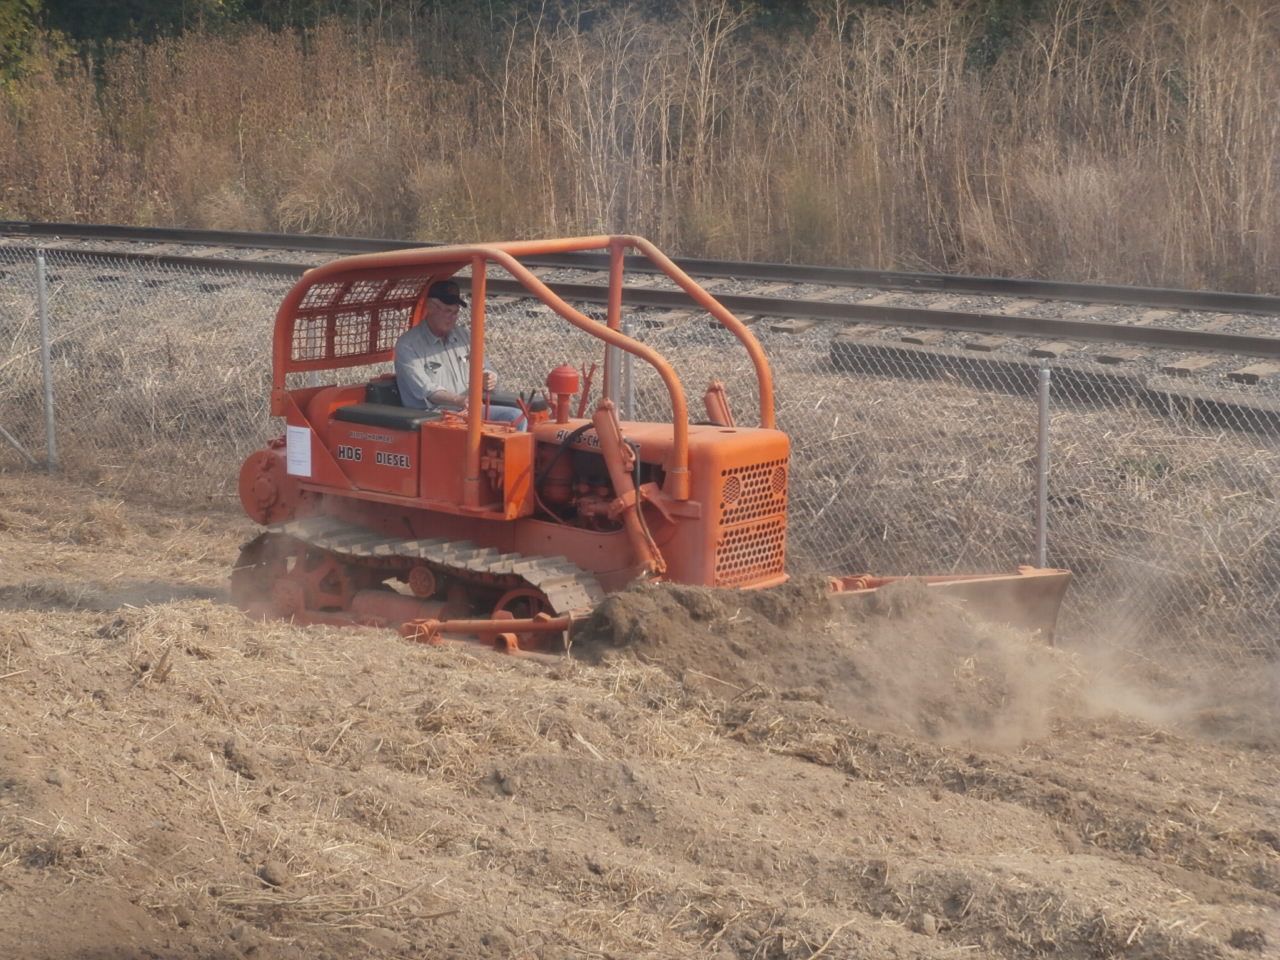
x: 490, y: 379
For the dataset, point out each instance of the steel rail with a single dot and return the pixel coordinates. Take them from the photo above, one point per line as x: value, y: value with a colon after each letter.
x: 1169, y: 338
x: 1226, y: 302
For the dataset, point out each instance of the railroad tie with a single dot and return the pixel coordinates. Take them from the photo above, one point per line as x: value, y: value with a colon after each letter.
x: 641, y: 280
x: 1255, y: 373
x: 830, y: 293
x: 1016, y: 307
x: 1218, y: 321
x: 792, y: 325
x: 857, y: 331
x: 664, y: 320
x: 923, y: 338
x: 1051, y: 350
x: 986, y: 344
x: 947, y: 301
x: 771, y: 289
x: 886, y: 299
x: 1114, y: 356
x: 1085, y: 311
x: 1188, y: 365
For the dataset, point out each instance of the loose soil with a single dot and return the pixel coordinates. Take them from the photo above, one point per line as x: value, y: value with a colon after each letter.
x: 710, y: 774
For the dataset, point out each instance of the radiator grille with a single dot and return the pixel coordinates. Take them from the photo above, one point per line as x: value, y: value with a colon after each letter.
x: 753, y: 491
x: 751, y: 551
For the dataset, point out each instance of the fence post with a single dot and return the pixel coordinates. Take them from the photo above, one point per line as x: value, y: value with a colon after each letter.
x: 46, y: 364
x: 610, y: 390
x: 1042, y: 470
x: 628, y: 387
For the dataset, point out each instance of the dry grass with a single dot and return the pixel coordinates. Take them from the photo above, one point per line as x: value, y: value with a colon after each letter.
x: 210, y: 780
x: 1129, y: 143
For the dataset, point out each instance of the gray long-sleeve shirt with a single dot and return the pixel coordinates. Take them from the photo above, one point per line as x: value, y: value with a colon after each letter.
x: 426, y: 363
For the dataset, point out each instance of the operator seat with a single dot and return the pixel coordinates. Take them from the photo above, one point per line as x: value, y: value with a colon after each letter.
x: 383, y: 389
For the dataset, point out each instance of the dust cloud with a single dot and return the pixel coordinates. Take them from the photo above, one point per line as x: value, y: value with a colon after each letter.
x: 911, y: 663
x: 1232, y: 703
x: 916, y: 663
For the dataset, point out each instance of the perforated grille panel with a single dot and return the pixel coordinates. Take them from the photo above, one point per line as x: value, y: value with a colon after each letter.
x: 393, y: 321
x: 350, y: 334
x: 753, y: 491
x: 751, y: 551
x: 339, y: 320
x: 308, y: 338
x: 320, y: 295
x: 363, y: 291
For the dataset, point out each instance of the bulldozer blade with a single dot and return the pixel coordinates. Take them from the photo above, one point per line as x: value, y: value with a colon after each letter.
x: 1027, y: 600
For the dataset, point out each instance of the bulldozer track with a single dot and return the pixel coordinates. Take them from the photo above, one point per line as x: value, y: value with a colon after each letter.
x: 568, y: 588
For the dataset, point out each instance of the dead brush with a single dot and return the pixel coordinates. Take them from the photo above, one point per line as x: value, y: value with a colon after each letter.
x: 875, y: 136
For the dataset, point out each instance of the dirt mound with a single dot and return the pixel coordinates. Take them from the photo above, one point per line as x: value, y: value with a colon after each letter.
x: 910, y: 661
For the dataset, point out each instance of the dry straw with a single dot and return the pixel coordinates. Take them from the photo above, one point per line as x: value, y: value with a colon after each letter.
x: 1104, y: 141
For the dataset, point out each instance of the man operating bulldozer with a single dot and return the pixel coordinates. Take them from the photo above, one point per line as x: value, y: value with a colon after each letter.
x: 433, y: 359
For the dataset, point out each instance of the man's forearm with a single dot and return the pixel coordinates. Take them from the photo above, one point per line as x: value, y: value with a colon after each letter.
x: 443, y: 398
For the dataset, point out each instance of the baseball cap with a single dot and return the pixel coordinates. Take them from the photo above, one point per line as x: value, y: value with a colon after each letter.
x: 446, y: 291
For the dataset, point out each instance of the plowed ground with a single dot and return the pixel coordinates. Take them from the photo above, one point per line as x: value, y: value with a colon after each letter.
x: 710, y: 775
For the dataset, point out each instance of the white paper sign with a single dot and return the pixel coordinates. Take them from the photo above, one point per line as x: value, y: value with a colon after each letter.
x: 298, y: 451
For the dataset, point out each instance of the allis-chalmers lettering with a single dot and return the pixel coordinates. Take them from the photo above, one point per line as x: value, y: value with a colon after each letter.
x: 587, y: 440
x: 375, y: 437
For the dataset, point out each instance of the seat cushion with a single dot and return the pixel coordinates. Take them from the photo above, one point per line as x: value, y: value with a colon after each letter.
x: 385, y: 415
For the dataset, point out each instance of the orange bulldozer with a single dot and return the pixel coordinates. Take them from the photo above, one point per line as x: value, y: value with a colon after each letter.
x: 454, y: 523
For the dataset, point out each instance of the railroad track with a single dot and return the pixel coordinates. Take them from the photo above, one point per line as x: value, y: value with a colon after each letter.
x: 1205, y: 340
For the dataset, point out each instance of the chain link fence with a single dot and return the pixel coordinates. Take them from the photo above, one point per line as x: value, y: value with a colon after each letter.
x: 161, y: 377
x: 906, y: 459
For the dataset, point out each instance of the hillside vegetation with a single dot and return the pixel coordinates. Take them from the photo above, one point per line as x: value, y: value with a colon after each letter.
x: 1105, y: 140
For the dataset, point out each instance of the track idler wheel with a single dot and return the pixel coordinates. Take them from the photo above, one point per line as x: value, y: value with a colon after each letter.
x: 274, y: 577
x: 326, y: 582
x: 523, y: 603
